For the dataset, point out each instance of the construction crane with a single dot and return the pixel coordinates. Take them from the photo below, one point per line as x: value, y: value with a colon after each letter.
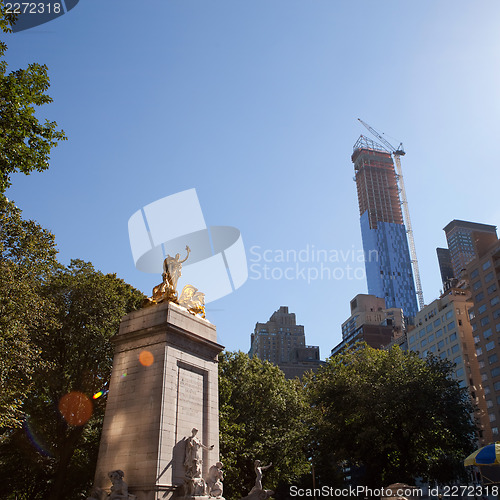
x: 397, y: 153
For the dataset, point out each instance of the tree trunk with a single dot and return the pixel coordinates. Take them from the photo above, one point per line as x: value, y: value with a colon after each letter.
x: 66, y: 451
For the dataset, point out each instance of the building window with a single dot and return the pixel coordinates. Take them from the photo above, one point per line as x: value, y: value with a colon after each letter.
x: 412, y: 339
x: 492, y: 288
x: 474, y: 326
x: 482, y: 309
x: 497, y: 327
x: 496, y: 314
x: 451, y: 325
x: 487, y: 390
x: 492, y: 417
x: 455, y: 348
x: 495, y: 372
x: 449, y: 314
x: 460, y: 372
x: 437, y: 322
x: 439, y: 333
x: 495, y: 300
x: 421, y: 333
x: 492, y: 359
x: 485, y: 321
x: 474, y: 274
x: 423, y: 343
x: 486, y: 265
x: 487, y: 333
x: 494, y: 430
x: 431, y: 338
x: 440, y: 344
x: 489, y: 403
x: 477, y: 285
x: 479, y: 351
x: 428, y: 329
x: 453, y: 336
x: 488, y: 277
x: 490, y: 345
x: 477, y: 339
x: 479, y: 297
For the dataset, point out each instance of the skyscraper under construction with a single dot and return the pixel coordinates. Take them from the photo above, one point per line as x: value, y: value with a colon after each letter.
x: 387, y: 256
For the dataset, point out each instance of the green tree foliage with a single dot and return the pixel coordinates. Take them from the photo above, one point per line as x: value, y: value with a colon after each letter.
x: 399, y: 416
x: 6, y: 22
x: 25, y: 142
x: 27, y: 261
x: 261, y: 416
x: 55, y: 331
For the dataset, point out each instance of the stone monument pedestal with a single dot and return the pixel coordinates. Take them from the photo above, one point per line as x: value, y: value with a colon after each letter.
x: 164, y: 383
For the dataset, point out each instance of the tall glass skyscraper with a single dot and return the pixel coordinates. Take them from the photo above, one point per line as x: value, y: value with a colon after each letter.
x: 466, y: 240
x: 387, y: 256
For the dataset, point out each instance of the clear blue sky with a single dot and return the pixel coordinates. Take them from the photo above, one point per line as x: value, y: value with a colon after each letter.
x: 254, y: 104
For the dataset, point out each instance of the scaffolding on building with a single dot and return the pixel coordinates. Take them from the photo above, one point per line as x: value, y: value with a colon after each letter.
x: 397, y: 153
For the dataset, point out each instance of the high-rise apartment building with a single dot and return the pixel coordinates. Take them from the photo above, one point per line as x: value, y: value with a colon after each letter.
x: 387, y: 256
x: 466, y: 240
x: 442, y: 328
x: 275, y: 339
x: 483, y: 278
x: 370, y: 322
x: 445, y: 266
x: 282, y: 342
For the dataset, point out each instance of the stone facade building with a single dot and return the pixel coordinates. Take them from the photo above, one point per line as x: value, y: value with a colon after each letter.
x: 370, y: 322
x: 282, y: 342
x: 442, y: 328
x: 483, y: 280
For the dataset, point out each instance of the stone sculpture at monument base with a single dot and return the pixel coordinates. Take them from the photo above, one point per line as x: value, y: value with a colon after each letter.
x: 163, y: 387
x: 258, y: 492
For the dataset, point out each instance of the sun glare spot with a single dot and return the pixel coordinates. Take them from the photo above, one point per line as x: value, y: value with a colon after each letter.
x: 146, y: 358
x: 76, y: 408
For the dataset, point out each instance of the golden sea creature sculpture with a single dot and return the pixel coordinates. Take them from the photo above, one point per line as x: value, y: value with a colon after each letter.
x: 192, y: 300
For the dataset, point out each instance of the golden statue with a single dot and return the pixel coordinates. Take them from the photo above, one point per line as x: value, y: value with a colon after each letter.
x: 190, y: 298
x: 172, y: 269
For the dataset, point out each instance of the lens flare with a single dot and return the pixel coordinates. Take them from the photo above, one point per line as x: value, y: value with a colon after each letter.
x: 146, y: 358
x: 99, y: 394
x: 76, y: 408
x: 36, y: 440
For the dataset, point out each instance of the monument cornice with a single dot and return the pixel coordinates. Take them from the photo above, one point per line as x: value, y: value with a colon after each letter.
x: 147, y: 327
